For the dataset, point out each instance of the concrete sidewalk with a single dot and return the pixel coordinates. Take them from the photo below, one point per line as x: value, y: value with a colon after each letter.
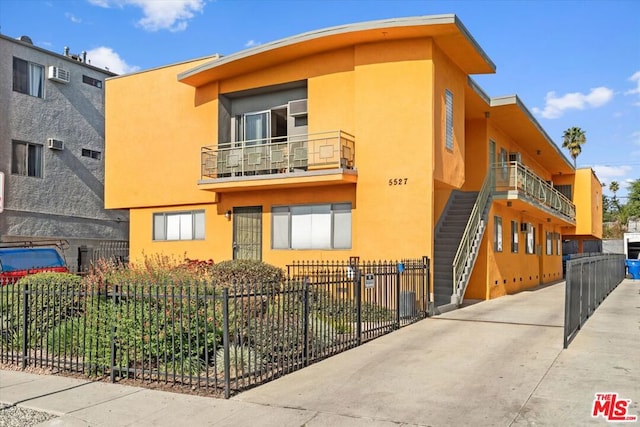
x: 498, y: 362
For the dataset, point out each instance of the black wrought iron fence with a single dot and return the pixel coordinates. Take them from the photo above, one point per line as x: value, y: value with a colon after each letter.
x: 589, y: 280
x: 204, y: 335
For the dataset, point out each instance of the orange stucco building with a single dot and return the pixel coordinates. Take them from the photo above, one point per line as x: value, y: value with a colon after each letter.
x: 366, y: 140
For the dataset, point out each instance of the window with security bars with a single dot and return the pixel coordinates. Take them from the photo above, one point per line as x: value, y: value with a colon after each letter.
x: 321, y: 226
x: 448, y: 101
x: 178, y: 225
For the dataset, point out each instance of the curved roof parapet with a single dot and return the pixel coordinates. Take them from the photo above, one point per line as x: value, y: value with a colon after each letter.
x: 447, y: 30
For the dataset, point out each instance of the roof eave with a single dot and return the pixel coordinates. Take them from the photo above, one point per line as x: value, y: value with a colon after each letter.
x: 500, y: 101
x: 191, y: 76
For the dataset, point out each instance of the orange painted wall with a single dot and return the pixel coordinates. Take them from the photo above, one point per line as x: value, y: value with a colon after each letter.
x: 153, y: 134
x: 366, y: 90
x: 449, y: 165
x: 587, y: 196
x: 476, y: 154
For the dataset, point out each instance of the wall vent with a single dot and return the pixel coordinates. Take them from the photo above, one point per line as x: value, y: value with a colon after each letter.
x: 55, y: 144
x: 58, y: 74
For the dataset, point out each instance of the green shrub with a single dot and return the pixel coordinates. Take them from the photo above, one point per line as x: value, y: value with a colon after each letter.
x: 52, y: 298
x: 252, y: 272
x: 165, y: 332
x: 242, y: 360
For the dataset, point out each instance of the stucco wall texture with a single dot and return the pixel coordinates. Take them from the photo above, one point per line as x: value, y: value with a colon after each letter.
x: 67, y: 201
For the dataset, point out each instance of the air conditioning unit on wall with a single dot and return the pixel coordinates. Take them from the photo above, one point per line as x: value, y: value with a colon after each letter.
x: 55, y: 144
x: 59, y: 75
x: 515, y: 157
x: 525, y: 227
x: 298, y: 108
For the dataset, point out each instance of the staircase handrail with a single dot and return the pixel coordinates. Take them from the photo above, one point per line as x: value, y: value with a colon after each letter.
x: 470, y: 231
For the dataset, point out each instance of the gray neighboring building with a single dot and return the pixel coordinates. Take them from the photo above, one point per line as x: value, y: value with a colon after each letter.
x: 52, y: 149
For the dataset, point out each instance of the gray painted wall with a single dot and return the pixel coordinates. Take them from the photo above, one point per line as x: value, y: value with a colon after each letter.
x: 68, y: 201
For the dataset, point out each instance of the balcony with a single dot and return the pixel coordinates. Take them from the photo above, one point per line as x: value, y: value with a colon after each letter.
x: 515, y: 181
x: 326, y: 157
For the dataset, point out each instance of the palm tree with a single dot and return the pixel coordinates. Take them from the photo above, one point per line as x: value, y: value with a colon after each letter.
x: 573, y: 138
x: 614, y: 187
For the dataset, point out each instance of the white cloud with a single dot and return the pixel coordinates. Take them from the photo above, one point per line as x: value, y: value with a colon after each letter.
x: 635, y: 137
x: 635, y: 91
x: 607, y: 174
x: 555, y: 106
x: 71, y: 17
x: 105, y: 57
x: 252, y: 43
x: 172, y: 15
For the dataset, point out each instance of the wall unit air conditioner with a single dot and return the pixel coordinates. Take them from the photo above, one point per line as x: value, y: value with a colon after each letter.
x: 515, y: 157
x: 55, y: 144
x: 58, y: 74
x: 525, y: 227
x: 298, y: 108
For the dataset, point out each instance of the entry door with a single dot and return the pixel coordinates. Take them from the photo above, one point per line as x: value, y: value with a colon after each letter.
x: 247, y: 233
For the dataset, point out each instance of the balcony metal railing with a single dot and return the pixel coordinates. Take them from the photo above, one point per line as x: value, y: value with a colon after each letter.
x: 279, y: 155
x: 514, y: 176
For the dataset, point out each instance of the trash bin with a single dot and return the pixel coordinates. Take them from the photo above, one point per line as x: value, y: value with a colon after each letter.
x: 408, y: 303
x: 633, y: 266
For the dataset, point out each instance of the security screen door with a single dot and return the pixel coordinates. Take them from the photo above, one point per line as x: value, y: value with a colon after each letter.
x: 247, y: 233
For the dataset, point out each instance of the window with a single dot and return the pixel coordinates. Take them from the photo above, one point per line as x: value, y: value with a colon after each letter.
x: 504, y: 164
x: 549, y: 243
x: 28, y: 78
x: 531, y: 239
x: 566, y: 190
x: 178, y: 225
x: 91, y: 81
x: 448, y: 99
x: 325, y: 226
x: 514, y: 236
x: 91, y: 153
x: 558, y: 244
x: 26, y: 159
x: 497, y: 233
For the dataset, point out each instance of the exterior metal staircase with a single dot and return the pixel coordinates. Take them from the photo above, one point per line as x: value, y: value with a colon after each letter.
x: 457, y: 242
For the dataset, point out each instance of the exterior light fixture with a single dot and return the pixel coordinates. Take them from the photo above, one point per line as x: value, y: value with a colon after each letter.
x: 227, y: 215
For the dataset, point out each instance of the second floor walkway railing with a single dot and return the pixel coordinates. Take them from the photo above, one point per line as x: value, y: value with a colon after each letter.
x: 279, y: 155
x: 514, y: 176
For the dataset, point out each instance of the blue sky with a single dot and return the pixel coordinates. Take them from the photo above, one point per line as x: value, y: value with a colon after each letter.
x: 573, y: 63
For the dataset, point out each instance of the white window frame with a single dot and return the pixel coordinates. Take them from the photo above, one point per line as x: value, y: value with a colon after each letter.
x: 324, y: 226
x: 181, y: 225
x: 497, y: 234
x: 515, y: 228
x: 448, y: 106
x: 22, y: 166
x: 530, y: 247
